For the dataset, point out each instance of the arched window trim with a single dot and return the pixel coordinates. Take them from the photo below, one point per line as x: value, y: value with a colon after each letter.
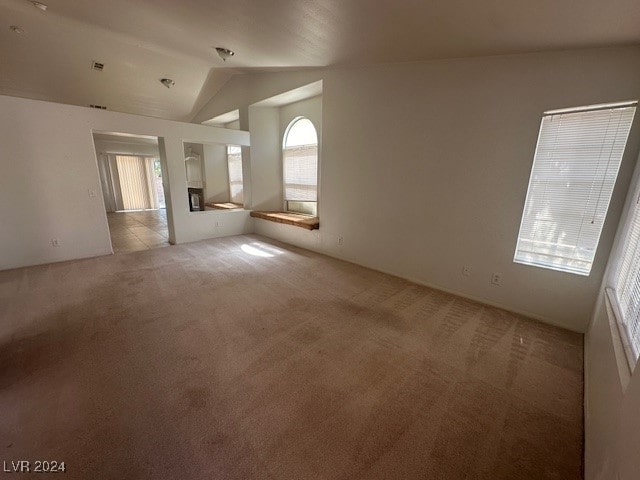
x: 298, y: 197
x: 291, y: 125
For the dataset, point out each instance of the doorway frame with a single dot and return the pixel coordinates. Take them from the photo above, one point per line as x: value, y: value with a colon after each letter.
x: 162, y: 155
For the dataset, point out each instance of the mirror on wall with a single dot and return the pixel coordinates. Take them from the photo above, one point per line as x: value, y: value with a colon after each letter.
x: 194, y: 166
x: 214, y: 176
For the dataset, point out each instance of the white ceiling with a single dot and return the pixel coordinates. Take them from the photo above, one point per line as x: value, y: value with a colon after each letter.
x: 301, y: 93
x: 222, y: 120
x: 144, y: 40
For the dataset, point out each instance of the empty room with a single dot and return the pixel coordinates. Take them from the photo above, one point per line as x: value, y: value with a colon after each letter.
x: 320, y: 240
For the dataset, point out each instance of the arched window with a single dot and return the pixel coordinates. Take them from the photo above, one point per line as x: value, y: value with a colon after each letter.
x: 300, y: 166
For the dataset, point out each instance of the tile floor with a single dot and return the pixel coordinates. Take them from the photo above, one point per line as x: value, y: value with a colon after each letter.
x: 140, y: 230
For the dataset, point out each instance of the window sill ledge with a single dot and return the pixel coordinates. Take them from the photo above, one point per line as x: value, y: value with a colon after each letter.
x: 223, y: 206
x: 297, y: 220
x: 621, y: 347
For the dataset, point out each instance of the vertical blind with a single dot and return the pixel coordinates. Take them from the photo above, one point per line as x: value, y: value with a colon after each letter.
x: 627, y: 280
x: 574, y: 171
x: 137, y: 182
x: 234, y: 162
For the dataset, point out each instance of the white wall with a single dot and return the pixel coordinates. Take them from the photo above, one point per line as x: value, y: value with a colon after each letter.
x: 48, y: 164
x: 217, y: 173
x: 612, y: 393
x: 425, y: 166
x: 612, y: 413
x: 263, y: 160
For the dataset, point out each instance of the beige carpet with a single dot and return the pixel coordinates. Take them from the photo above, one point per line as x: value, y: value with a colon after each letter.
x: 242, y: 358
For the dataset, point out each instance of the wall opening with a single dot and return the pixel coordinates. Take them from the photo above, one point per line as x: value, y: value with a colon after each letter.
x: 132, y: 177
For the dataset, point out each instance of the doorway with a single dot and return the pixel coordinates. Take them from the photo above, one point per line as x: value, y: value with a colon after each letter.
x: 131, y: 177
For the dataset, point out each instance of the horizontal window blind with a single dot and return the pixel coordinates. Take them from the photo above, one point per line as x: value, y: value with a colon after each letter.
x: 300, y: 162
x: 234, y: 161
x: 301, y: 173
x: 574, y: 171
x: 627, y: 280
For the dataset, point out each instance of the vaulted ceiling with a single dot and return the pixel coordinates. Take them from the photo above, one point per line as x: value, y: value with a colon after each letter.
x: 141, y: 41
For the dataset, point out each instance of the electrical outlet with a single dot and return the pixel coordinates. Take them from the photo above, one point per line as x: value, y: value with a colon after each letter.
x: 91, y: 193
x: 218, y: 223
x: 466, y: 271
x: 496, y: 279
x: 55, y: 242
x: 340, y: 240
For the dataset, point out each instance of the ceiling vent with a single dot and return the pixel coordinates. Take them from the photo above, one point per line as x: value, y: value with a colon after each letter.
x: 99, y: 107
x: 97, y: 66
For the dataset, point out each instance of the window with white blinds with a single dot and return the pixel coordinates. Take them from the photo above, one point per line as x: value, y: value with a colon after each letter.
x: 300, y: 162
x: 234, y: 162
x: 626, y: 281
x: 574, y: 171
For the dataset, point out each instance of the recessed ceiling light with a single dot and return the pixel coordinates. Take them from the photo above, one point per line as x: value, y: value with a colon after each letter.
x: 225, y: 53
x: 41, y: 6
x: 167, y: 82
x: 16, y: 29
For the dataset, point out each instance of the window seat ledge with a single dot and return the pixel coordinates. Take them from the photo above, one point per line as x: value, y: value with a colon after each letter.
x: 295, y: 219
x: 224, y: 205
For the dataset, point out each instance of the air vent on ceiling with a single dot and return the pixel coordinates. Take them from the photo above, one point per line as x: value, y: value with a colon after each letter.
x: 97, y: 66
x: 99, y: 107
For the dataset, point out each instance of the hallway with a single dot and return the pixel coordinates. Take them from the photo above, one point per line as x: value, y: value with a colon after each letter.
x: 138, y: 230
